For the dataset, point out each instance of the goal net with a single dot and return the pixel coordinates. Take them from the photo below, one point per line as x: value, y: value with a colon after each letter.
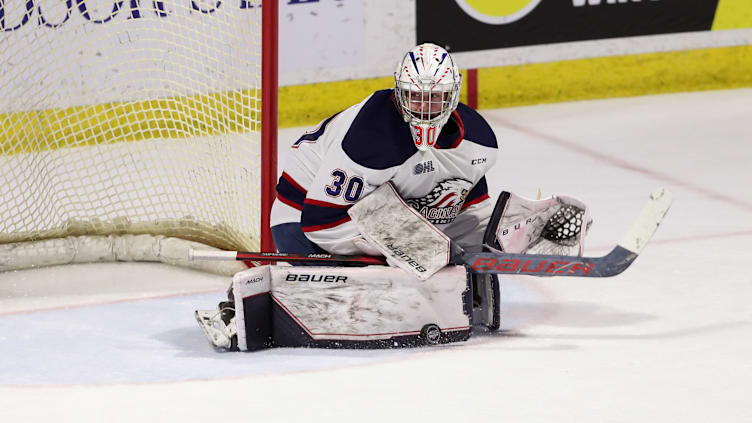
x: 128, y: 117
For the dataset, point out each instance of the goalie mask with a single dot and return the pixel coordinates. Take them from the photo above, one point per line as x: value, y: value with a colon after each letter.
x: 427, y: 88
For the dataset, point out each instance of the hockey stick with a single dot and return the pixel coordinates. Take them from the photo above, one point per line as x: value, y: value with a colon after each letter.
x: 611, y: 264
x: 318, y: 259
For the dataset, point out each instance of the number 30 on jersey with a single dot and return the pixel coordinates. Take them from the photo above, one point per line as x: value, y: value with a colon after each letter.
x: 349, y: 188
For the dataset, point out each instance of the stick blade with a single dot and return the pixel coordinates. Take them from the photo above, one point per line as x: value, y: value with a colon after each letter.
x: 651, y: 216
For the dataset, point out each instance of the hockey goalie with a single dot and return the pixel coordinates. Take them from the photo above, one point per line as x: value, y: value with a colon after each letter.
x: 400, y: 175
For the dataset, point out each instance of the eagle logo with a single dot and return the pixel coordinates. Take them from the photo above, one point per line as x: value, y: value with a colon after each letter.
x: 444, y: 202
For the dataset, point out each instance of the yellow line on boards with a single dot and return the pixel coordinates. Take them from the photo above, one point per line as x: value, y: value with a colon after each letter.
x: 617, y: 76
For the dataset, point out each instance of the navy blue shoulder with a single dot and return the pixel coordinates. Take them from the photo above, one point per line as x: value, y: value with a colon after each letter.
x: 378, y: 138
x: 476, y: 128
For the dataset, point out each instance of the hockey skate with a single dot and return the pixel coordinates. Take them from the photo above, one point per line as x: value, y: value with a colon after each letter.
x: 219, y: 325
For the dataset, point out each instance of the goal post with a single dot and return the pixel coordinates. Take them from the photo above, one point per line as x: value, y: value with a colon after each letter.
x: 137, y: 117
x: 269, y: 116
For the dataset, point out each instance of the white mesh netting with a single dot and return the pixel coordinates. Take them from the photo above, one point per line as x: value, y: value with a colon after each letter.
x: 130, y: 116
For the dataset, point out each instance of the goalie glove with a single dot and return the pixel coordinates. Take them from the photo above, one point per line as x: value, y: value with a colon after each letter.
x: 556, y: 225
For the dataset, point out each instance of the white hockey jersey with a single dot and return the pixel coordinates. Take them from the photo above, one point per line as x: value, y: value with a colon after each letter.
x: 350, y: 154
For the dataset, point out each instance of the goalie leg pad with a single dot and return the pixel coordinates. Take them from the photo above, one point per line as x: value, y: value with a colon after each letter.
x: 336, y: 307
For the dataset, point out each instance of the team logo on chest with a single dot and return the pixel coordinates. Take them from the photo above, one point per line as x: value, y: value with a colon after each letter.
x: 444, y: 202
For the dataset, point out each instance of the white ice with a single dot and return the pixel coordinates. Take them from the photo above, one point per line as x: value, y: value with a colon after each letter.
x: 670, y: 340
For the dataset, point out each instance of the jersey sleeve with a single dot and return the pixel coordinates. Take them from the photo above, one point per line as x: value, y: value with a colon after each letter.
x: 476, y: 195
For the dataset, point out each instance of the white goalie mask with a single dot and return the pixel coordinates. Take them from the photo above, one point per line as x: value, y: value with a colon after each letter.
x: 427, y: 88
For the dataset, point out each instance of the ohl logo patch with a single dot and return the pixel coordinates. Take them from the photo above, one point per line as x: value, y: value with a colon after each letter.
x: 495, y: 12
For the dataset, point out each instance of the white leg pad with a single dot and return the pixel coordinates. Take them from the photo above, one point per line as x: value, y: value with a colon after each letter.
x: 312, y: 306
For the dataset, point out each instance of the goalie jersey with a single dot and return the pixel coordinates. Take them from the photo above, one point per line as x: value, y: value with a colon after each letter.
x: 353, y: 152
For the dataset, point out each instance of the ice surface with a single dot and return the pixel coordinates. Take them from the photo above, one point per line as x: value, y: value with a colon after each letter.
x: 668, y: 340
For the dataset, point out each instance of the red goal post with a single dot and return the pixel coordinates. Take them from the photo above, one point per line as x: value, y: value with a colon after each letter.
x: 269, y: 121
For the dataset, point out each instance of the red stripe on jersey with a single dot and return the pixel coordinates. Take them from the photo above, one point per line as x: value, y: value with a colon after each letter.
x: 295, y: 184
x: 315, y: 228
x: 289, y: 202
x: 475, y: 201
x: 325, y: 204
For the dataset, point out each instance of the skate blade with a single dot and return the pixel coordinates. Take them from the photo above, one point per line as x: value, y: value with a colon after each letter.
x: 216, y: 337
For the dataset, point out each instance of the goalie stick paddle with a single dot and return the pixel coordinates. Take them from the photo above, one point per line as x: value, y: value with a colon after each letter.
x: 611, y: 264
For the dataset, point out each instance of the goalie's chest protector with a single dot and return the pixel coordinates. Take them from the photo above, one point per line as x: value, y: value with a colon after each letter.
x: 438, y: 182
